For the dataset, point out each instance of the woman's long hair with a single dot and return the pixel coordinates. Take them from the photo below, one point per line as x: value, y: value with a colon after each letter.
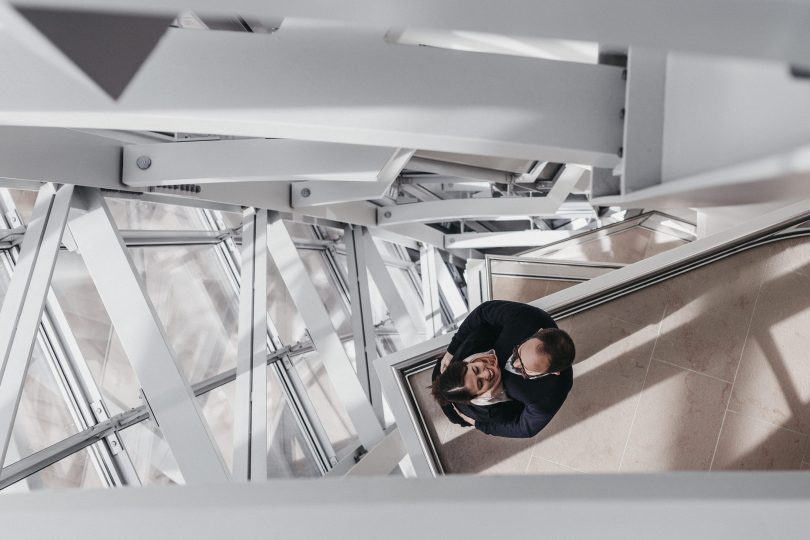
x: 449, y: 387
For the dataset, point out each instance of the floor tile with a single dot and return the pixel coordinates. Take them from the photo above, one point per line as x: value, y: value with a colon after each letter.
x: 516, y: 464
x: 788, y: 256
x: 773, y: 382
x: 542, y: 466
x: 590, y: 431
x: 678, y: 420
x: 708, y: 314
x: 750, y: 444
x: 644, y: 307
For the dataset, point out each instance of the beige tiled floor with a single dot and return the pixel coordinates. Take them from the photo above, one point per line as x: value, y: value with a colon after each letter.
x: 708, y: 370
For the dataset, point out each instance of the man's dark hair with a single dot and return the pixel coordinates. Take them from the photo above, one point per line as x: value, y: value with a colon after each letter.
x: 449, y: 387
x: 558, y: 345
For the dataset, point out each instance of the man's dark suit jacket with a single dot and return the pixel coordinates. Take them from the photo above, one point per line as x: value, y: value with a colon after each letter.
x: 502, y: 325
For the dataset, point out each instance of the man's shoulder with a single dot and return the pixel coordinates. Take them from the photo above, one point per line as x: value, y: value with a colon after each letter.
x: 545, y: 391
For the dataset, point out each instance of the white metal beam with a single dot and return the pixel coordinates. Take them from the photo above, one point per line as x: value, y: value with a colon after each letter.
x: 406, y: 322
x: 319, y: 193
x: 250, y: 400
x: 365, y: 340
x: 766, y: 29
x: 357, y: 89
x: 430, y: 290
x: 449, y: 290
x: 781, y: 177
x: 529, y: 237
x: 382, y: 459
x: 322, y: 332
x: 458, y: 170
x: 25, y: 299
x: 144, y: 340
x: 643, y: 120
x: 259, y: 160
x: 515, y: 208
x: 740, y: 505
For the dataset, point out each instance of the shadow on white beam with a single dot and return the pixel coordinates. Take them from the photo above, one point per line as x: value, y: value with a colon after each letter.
x: 357, y: 89
x: 765, y: 29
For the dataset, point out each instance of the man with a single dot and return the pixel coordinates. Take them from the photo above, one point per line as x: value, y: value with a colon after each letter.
x: 508, y: 368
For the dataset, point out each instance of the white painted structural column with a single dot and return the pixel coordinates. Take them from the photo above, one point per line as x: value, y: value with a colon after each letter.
x: 322, y: 332
x: 430, y: 290
x: 22, y: 307
x: 250, y: 402
x: 175, y: 408
x: 365, y: 339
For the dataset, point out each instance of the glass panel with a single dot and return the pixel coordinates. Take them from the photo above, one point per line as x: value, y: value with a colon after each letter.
x: 281, y: 308
x: 194, y: 300
x: 196, y: 304
x: 24, y: 201
x: 135, y: 214
x: 288, y: 455
x: 287, y: 451
x: 322, y: 394
x: 93, y: 331
x: 322, y: 277
x: 152, y: 457
x: 74, y: 471
x: 42, y: 417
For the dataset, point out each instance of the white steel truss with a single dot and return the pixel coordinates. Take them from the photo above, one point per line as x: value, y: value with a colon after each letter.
x: 322, y: 332
x: 259, y: 160
x: 250, y: 402
x: 143, y: 338
x: 365, y: 340
x: 319, y: 193
x: 498, y: 208
x: 23, y: 305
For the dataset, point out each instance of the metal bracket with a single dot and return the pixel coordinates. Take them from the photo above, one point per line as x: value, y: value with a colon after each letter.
x: 142, y: 395
x: 101, y: 415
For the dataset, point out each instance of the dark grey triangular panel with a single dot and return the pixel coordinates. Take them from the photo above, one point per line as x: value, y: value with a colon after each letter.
x: 109, y: 48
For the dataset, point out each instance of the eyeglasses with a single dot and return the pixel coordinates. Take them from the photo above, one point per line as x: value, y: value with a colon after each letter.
x: 517, y: 363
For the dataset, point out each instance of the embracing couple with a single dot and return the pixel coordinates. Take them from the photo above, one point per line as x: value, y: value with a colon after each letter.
x: 507, y: 370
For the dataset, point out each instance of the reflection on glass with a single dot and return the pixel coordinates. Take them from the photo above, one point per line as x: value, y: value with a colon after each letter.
x: 42, y: 417
x: 73, y: 471
x: 192, y: 296
x: 151, y: 456
x: 134, y: 214
x: 93, y: 331
x: 196, y: 304
x: 321, y: 277
x: 328, y: 405
x: 24, y: 201
x: 287, y: 456
x: 626, y: 242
